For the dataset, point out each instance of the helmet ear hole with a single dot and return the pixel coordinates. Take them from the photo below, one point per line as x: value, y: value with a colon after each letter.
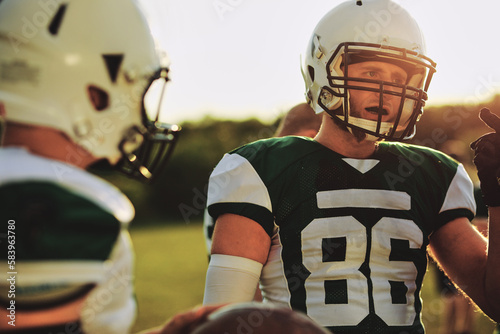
x: 310, y: 69
x: 98, y: 98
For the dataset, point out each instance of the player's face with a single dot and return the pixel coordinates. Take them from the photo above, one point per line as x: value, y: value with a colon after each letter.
x: 365, y: 104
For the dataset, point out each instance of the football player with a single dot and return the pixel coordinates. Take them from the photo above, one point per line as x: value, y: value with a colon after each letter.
x: 80, y: 81
x: 338, y: 226
x: 301, y: 120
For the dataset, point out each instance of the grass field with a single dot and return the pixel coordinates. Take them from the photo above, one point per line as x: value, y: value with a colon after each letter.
x: 170, y: 273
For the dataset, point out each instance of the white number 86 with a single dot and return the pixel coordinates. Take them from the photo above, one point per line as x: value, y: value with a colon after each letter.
x: 382, y: 270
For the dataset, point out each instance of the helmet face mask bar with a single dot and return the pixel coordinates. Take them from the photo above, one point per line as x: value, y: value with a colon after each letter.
x: 146, y: 150
x: 412, y: 94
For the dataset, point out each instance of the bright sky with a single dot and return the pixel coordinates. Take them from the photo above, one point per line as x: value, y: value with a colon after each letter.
x: 241, y: 58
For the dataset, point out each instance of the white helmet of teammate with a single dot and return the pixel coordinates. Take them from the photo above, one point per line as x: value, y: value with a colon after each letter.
x: 91, y: 69
x: 376, y: 30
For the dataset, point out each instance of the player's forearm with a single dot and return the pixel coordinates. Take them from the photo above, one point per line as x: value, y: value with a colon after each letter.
x: 492, y: 278
x: 231, y: 279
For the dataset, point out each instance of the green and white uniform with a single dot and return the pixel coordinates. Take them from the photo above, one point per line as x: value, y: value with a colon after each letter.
x: 349, y: 236
x: 70, y: 231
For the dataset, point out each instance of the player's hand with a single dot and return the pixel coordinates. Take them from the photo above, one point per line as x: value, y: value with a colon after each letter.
x: 487, y: 158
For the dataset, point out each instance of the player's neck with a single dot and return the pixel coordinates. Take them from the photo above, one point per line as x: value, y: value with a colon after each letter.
x: 344, y: 142
x: 48, y: 143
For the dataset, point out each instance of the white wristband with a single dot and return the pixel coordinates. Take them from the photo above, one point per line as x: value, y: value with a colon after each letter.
x: 231, y: 279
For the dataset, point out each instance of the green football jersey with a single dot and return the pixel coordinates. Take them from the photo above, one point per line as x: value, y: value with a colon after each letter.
x: 63, y: 232
x: 348, y: 236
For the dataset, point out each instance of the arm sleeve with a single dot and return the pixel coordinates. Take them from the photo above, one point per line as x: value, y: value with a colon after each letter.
x: 231, y: 279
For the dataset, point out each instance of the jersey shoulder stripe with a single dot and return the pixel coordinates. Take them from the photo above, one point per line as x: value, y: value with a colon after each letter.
x: 245, y: 175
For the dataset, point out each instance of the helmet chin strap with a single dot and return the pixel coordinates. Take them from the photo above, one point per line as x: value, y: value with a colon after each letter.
x: 361, y: 124
x: 369, y: 125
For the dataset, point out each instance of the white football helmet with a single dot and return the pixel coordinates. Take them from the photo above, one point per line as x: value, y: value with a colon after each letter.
x: 369, y: 30
x: 86, y: 68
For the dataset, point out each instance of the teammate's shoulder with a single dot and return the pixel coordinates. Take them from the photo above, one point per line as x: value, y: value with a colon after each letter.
x: 21, y: 169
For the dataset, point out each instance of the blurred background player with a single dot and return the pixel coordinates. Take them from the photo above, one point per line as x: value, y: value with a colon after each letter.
x: 79, y: 86
x: 301, y: 120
